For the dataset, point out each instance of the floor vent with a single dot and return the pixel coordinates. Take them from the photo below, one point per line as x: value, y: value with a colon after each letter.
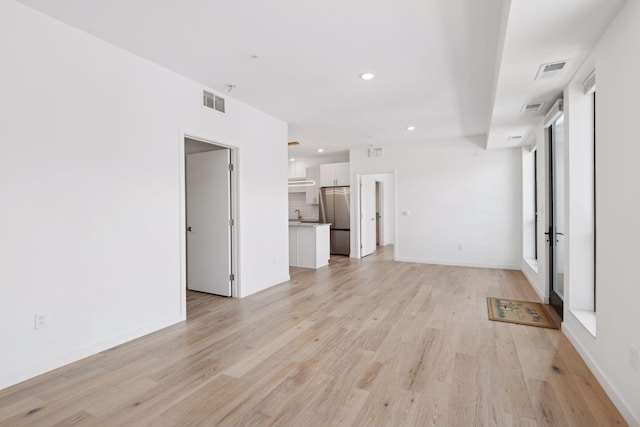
x: 551, y: 69
x: 213, y: 101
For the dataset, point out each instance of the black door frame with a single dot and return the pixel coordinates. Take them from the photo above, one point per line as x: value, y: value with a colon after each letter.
x: 552, y: 234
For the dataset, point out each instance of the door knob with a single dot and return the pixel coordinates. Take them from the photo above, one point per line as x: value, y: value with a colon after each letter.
x: 189, y: 228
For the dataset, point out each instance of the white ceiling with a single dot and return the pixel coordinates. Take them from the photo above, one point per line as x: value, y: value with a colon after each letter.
x: 539, y: 32
x: 434, y: 60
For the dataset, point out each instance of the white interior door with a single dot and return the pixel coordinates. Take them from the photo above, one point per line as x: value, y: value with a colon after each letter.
x: 367, y: 214
x: 208, y: 222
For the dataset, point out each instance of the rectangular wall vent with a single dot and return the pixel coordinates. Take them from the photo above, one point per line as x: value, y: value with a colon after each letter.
x: 515, y: 138
x: 531, y: 108
x: 590, y: 83
x: 374, y: 152
x: 213, y: 101
x: 551, y: 69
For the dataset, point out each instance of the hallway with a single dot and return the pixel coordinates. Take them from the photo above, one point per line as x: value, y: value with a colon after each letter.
x: 366, y: 342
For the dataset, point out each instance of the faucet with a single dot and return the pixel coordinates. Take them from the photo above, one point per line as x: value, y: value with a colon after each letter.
x: 299, y: 214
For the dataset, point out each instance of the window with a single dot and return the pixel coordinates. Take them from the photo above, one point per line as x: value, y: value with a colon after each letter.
x: 530, y: 206
x: 582, y: 207
x: 535, y: 204
x: 593, y: 147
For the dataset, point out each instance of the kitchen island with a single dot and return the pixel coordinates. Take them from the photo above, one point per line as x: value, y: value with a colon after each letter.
x: 308, y: 244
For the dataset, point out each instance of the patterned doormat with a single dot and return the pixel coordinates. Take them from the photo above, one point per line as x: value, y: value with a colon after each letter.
x: 522, y: 312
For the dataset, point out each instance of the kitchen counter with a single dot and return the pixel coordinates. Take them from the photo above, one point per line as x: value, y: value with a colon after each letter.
x: 295, y: 223
x: 308, y: 244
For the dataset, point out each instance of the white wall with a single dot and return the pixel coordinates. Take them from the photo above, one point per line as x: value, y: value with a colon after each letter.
x: 89, y: 183
x: 449, y: 194
x: 617, y: 67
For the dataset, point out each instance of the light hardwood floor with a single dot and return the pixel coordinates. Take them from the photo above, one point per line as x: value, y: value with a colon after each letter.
x: 364, y: 342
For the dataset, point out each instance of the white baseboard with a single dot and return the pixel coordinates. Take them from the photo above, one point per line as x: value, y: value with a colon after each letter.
x: 265, y: 285
x: 632, y: 418
x: 82, y: 352
x: 534, y: 284
x: 458, y: 263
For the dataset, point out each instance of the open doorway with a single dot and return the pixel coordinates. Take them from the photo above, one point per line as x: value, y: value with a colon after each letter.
x: 367, y: 215
x: 209, y: 235
x: 376, y: 212
x: 555, y: 233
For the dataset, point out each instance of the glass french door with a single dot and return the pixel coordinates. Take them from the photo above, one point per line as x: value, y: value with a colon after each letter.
x: 555, y: 234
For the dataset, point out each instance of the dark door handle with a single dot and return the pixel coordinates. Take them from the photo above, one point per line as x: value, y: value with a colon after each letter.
x: 189, y: 228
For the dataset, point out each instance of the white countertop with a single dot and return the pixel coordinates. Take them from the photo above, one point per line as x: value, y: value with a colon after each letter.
x: 295, y: 223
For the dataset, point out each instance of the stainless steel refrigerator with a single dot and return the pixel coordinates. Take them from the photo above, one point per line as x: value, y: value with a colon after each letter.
x: 335, y: 209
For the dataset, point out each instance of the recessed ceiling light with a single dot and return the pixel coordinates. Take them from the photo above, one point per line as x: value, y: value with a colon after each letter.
x: 367, y: 76
x: 292, y: 159
x: 320, y: 150
x: 410, y: 128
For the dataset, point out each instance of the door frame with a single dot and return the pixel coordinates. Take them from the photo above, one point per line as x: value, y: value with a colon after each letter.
x: 552, y: 233
x: 355, y: 211
x: 360, y: 218
x: 235, y: 210
x: 380, y: 235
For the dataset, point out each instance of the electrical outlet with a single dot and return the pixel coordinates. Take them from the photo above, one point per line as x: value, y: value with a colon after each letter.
x: 633, y: 356
x: 40, y: 321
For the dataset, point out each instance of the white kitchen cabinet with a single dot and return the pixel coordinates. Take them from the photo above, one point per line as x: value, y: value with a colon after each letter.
x: 308, y: 245
x: 312, y: 192
x: 334, y: 174
x: 342, y: 174
x: 293, y: 245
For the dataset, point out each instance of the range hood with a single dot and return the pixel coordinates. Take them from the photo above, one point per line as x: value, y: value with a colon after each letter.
x: 301, y: 182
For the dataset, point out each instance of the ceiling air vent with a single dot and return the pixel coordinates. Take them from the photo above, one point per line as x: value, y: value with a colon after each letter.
x: 515, y: 139
x: 551, y: 69
x: 531, y: 108
x: 212, y: 101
